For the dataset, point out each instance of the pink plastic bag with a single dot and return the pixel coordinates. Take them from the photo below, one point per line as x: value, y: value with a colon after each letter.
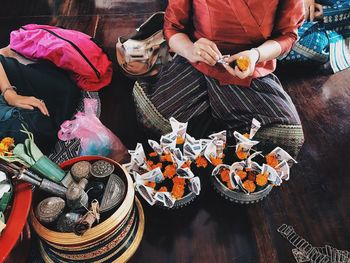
x: 95, y: 138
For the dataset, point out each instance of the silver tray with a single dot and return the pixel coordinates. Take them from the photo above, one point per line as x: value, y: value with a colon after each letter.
x: 239, y: 197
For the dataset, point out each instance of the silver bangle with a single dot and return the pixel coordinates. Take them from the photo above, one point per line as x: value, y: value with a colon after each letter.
x: 6, y: 89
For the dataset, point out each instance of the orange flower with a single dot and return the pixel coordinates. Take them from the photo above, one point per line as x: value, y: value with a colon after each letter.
x: 225, y: 175
x: 242, y: 174
x: 251, y: 176
x: 271, y: 160
x: 8, y: 141
x: 149, y: 164
x: 170, y: 171
x: 186, y: 165
x: 178, y: 191
x: 150, y: 184
x: 241, y: 154
x: 163, y: 189
x: 243, y: 63
x: 178, y: 180
x: 215, y: 161
x: 180, y: 140
x: 249, y: 185
x: 261, y: 179
x: 155, y: 166
x: 230, y: 186
x: 3, y: 149
x: 166, y: 158
x: 201, y: 161
x: 153, y: 154
x: 246, y: 135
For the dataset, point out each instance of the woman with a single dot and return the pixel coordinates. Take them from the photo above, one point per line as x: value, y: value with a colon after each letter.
x: 194, y: 85
x: 325, y: 37
x: 38, y: 95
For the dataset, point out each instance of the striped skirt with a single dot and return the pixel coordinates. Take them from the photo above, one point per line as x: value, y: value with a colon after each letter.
x: 182, y: 92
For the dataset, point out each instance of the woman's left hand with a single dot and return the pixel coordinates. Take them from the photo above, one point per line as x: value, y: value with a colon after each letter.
x: 253, y: 57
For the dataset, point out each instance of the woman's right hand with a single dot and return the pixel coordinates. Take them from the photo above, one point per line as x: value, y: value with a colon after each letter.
x: 204, y: 50
x: 313, y: 11
x: 25, y: 102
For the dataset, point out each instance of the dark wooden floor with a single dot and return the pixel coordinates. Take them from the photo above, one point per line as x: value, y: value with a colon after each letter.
x: 316, y: 199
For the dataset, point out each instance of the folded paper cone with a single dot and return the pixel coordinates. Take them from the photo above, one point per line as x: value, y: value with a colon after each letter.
x: 49, y: 169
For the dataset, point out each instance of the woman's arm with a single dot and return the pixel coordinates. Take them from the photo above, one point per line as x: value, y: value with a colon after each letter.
x: 12, y: 98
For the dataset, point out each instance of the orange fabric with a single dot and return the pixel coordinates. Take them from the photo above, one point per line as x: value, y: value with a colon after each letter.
x: 235, y: 25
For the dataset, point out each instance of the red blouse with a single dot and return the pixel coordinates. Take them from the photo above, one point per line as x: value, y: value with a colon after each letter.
x: 236, y: 25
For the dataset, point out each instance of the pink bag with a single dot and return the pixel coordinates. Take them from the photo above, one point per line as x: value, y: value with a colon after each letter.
x: 67, y: 49
x: 95, y: 138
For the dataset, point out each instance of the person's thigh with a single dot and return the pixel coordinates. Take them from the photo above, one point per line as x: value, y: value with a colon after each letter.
x: 264, y: 100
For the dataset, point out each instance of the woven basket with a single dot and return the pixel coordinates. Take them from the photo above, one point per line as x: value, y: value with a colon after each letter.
x: 239, y: 197
x: 113, y: 240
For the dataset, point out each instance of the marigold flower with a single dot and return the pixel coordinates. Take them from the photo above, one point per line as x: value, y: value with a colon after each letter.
x: 149, y: 164
x: 271, y: 160
x: 166, y: 158
x: 246, y: 135
x: 178, y: 180
x: 251, y: 176
x: 249, y: 186
x: 225, y: 175
x: 215, y: 161
x: 8, y: 141
x: 163, y: 189
x: 170, y: 171
x: 186, y: 164
x: 241, y: 154
x: 155, y: 166
x: 230, y: 186
x: 150, y: 184
x: 201, y: 161
x: 242, y: 174
x: 261, y: 180
x: 153, y: 154
x: 178, y: 191
x: 243, y: 63
x: 180, y: 140
x: 3, y: 149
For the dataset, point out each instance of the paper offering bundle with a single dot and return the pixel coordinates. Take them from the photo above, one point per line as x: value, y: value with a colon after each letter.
x: 235, y: 167
x: 162, y: 173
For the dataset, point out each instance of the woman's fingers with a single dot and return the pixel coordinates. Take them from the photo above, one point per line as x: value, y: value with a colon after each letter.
x: 312, y: 12
x: 241, y: 74
x: 318, y: 11
x: 34, y: 102
x: 229, y: 69
x: 25, y: 106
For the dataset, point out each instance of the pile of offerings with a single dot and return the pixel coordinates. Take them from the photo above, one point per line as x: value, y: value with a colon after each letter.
x: 235, y: 175
x: 86, y: 210
x: 163, y: 171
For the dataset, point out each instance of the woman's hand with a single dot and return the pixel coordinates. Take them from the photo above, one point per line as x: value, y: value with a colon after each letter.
x: 204, y: 50
x: 313, y: 11
x: 25, y: 102
x: 253, y: 57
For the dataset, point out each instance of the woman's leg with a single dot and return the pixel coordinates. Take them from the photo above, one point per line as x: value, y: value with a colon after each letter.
x: 179, y: 91
x: 234, y: 107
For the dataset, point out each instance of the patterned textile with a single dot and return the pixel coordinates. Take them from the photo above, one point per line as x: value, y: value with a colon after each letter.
x: 182, y: 92
x: 69, y: 149
x: 326, y: 40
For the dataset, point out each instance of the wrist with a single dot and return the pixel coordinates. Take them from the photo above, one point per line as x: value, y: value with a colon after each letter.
x: 8, y: 92
x: 256, y: 55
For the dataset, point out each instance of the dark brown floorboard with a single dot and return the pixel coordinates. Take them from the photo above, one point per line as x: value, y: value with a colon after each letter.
x: 315, y: 200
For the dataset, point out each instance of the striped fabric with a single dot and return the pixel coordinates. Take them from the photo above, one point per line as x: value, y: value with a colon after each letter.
x: 326, y: 40
x: 182, y: 92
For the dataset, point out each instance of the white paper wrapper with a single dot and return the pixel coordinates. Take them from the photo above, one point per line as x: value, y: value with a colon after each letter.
x: 3, y: 176
x: 254, y: 128
x: 147, y: 193
x: 237, y: 182
x: 179, y: 128
x: 249, y: 162
x: 283, y: 155
x: 155, y: 146
x: 155, y: 175
x: 195, y: 185
x: 185, y: 173
x: 273, y: 175
x: 283, y: 170
x: 178, y: 158
x: 4, y: 188
x: 138, y: 157
x: 192, y: 148
x: 219, y: 136
x: 165, y: 198
x: 168, y: 142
